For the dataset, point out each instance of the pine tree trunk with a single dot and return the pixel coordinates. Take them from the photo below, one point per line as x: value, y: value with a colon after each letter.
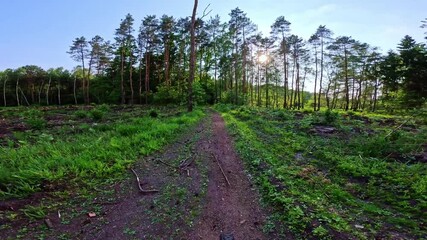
x: 192, y: 57
x: 122, y: 81
x: 74, y: 90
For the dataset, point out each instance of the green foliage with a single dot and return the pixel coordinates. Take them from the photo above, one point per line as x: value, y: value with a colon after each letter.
x: 321, y: 184
x: 80, y: 114
x: 96, y: 114
x: 92, y: 152
x: 36, y: 123
x: 168, y: 94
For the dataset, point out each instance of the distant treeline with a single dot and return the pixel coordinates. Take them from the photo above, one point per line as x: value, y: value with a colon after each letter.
x: 235, y: 64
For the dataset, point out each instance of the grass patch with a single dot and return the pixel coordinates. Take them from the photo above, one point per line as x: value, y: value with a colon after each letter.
x: 92, y: 152
x: 346, y: 184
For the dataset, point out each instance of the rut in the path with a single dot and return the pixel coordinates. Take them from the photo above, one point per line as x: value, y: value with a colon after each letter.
x: 231, y: 209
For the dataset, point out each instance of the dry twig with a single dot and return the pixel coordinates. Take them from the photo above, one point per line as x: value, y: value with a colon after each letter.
x: 139, y: 184
x: 222, y: 170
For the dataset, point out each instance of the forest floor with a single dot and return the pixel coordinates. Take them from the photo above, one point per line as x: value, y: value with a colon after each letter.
x: 253, y: 173
x: 203, y: 192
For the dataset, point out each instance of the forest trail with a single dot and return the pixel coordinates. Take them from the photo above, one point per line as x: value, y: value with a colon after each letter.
x: 196, y: 203
x: 229, y: 209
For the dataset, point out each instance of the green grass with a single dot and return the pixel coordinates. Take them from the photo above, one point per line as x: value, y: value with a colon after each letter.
x: 329, y: 186
x: 82, y: 153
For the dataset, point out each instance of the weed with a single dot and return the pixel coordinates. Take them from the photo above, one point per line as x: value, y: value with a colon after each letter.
x: 34, y: 212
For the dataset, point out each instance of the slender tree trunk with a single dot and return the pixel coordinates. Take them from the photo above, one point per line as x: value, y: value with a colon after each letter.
x: 347, y: 95
x: 47, y: 91
x: 23, y: 95
x: 147, y: 76
x: 140, y: 82
x: 40, y: 92
x: 292, y: 86
x: 192, y: 57
x: 258, y: 87
x: 285, y: 73
x: 328, y: 99
x: 74, y: 90
x: 59, y: 91
x: 122, y: 80
x: 298, y: 88
x: 17, y: 93
x: 302, y: 88
x: 267, y: 99
x: 84, y: 76
x: 374, y: 108
x: 132, y: 93
x: 315, y: 79
x: 167, y: 64
x: 321, y: 74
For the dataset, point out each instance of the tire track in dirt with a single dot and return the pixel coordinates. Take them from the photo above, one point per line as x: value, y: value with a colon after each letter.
x: 231, y: 209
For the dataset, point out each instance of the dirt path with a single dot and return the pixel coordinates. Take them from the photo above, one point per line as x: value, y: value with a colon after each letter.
x: 192, y: 203
x: 230, y: 209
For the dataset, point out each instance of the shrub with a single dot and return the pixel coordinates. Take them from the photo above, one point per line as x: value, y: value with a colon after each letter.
x: 36, y: 123
x: 330, y: 116
x: 96, y: 114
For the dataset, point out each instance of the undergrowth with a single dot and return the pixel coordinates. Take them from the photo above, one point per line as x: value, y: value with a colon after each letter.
x: 84, y: 153
x: 359, y: 181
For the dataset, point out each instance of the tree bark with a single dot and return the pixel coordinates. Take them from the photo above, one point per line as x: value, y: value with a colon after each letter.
x: 74, y: 90
x: 192, y: 57
x: 122, y: 81
x: 17, y: 93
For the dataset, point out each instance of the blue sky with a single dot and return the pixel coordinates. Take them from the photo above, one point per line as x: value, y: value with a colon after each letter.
x: 40, y: 32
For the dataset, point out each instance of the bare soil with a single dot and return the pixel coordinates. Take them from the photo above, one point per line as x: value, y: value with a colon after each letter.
x: 230, y: 209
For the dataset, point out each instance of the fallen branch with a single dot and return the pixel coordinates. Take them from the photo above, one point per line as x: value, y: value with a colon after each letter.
x: 139, y: 184
x: 394, y: 130
x: 222, y: 170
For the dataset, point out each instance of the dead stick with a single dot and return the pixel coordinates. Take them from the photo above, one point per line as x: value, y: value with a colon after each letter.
x: 407, y: 120
x: 139, y: 184
x: 222, y: 170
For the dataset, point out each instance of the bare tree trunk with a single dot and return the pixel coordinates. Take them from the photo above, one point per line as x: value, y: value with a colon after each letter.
x: 347, y: 95
x: 192, y: 57
x: 74, y: 90
x: 140, y: 82
x: 17, y: 93
x: 122, y: 81
x: 47, y: 91
x: 59, y: 91
x: 321, y: 74
x: 167, y: 64
x: 131, y: 80
x: 147, y: 76
x: 25, y: 98
x: 315, y: 79
x: 298, y: 88
x: 40, y: 91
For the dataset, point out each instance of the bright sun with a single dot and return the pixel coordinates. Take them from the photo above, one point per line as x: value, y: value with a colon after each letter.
x: 262, y: 58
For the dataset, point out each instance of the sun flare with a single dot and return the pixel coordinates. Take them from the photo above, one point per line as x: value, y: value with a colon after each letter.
x: 263, y: 58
